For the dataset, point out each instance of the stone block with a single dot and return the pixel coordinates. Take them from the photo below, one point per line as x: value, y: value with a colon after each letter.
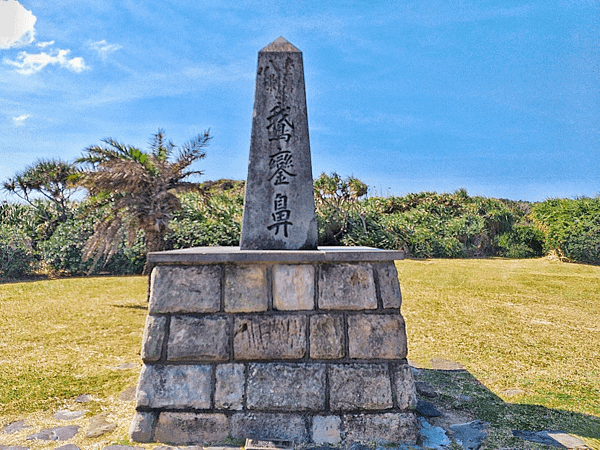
x: 269, y: 426
x: 404, y: 386
x: 381, y: 336
x: 181, y: 386
x: 142, y: 427
x: 326, y: 430
x: 389, y: 287
x: 199, y: 339
x: 293, y: 287
x: 287, y: 387
x: 347, y: 287
x: 269, y: 337
x: 360, y: 387
x: 246, y: 288
x: 154, y: 335
x: 180, y: 289
x: 229, y: 386
x: 327, y: 337
x: 381, y: 428
x: 180, y: 428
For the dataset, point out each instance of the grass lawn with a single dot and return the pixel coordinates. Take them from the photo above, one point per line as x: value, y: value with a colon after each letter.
x: 529, y: 325
x: 532, y: 325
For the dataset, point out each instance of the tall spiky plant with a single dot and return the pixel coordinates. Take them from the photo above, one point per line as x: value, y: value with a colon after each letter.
x: 138, y: 189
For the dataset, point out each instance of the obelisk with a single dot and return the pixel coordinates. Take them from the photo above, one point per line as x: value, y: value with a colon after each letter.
x: 279, y: 208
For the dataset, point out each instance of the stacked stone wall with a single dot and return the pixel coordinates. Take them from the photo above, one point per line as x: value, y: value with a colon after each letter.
x: 312, y: 352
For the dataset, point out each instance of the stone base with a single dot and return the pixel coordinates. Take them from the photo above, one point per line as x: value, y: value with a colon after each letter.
x: 306, y: 346
x: 185, y: 428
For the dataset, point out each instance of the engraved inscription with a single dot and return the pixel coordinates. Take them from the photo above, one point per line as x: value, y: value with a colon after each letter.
x: 280, y: 215
x: 279, y: 126
x: 281, y: 165
x: 270, y: 337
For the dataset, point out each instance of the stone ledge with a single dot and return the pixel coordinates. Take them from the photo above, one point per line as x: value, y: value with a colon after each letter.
x: 214, y: 255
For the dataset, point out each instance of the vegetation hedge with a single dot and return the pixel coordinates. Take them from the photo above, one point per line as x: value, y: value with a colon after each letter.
x: 37, y: 238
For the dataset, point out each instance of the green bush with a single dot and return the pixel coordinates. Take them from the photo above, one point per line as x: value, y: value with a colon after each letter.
x: 522, y: 241
x: 63, y: 251
x: 214, y: 220
x: 571, y: 227
x: 17, y: 258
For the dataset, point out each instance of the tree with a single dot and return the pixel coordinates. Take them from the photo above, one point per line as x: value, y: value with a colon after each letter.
x: 49, y: 177
x: 137, y: 189
x: 336, y: 199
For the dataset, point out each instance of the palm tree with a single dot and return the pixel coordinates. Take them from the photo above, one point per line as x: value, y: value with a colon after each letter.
x: 138, y: 189
x: 49, y: 177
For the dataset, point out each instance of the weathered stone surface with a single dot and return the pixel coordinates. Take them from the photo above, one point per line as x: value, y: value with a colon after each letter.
x: 67, y: 447
x: 154, y: 334
x: 65, y: 414
x: 425, y: 389
x: 230, y: 255
x: 246, y: 288
x: 192, y: 289
x: 287, y: 387
x: 122, y: 447
x: 383, y: 428
x: 83, y: 398
x: 190, y: 428
x: 326, y: 430
x: 181, y: 386
x: 293, y: 287
x: 470, y: 435
x: 269, y: 337
x: 347, y: 287
x: 427, y: 409
x: 389, y: 287
x: 291, y: 427
x: 376, y: 336
x: 55, y: 434
x: 431, y: 436
x: 142, y: 426
x: 327, y: 337
x: 360, y: 387
x: 99, y: 425
x: 11, y: 447
x: 198, y: 339
x: 404, y: 386
x: 15, y: 427
x: 128, y: 394
x: 279, y: 207
x: 229, y: 386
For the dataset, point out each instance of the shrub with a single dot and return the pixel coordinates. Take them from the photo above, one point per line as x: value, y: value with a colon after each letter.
x: 571, y: 227
x: 17, y: 258
x: 522, y: 241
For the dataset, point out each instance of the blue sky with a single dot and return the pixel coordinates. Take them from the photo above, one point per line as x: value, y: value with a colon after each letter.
x: 499, y: 98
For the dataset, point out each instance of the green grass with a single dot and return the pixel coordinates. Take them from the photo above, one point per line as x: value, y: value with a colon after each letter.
x: 62, y: 338
x: 527, y: 324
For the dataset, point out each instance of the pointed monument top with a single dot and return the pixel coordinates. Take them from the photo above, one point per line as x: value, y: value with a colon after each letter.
x: 280, y: 44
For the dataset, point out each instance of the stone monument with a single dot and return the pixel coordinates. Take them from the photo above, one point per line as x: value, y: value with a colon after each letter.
x: 279, y: 207
x: 276, y: 340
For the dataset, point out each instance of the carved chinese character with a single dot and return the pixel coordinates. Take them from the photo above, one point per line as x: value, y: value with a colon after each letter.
x: 279, y: 127
x: 281, y: 215
x: 283, y: 164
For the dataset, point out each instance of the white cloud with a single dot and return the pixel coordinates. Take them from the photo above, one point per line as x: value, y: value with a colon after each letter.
x: 29, y: 63
x: 19, y: 121
x: 16, y: 25
x: 44, y: 44
x: 104, y: 48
